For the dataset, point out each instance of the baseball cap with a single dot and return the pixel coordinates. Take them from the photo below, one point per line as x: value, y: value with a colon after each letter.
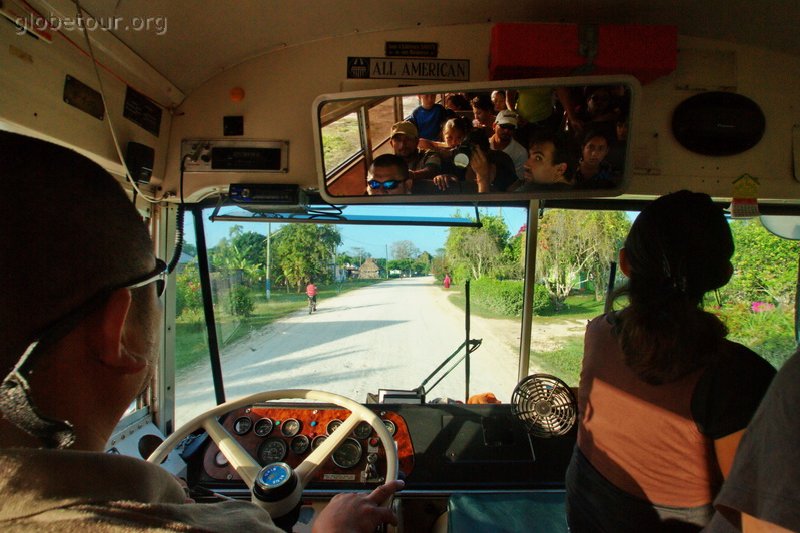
x: 405, y: 128
x: 506, y: 117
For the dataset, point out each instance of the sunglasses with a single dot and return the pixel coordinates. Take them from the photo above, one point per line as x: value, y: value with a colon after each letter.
x: 507, y: 126
x: 388, y: 184
x: 158, y: 276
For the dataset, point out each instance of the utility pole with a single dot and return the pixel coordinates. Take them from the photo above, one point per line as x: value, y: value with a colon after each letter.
x: 387, y: 260
x: 267, y: 282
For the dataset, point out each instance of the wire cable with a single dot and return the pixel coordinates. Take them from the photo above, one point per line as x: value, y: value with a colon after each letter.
x: 151, y: 199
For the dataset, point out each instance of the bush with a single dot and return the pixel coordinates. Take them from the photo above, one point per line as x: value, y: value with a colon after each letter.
x: 541, y: 298
x: 241, y: 302
x: 767, y: 330
x: 187, y: 290
x: 503, y: 297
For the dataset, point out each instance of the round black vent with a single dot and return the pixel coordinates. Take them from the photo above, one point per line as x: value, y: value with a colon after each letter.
x: 718, y: 123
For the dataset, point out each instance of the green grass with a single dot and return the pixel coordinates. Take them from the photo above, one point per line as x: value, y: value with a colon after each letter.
x: 565, y: 362
x: 576, y: 307
x: 191, y: 338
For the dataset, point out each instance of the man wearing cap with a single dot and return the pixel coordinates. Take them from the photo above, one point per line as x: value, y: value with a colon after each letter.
x: 503, y: 139
x: 422, y: 165
x: 79, y: 342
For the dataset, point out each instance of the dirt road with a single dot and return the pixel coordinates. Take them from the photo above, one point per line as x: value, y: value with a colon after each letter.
x: 391, y: 335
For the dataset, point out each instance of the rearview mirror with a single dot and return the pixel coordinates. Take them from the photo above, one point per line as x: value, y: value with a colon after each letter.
x: 499, y: 141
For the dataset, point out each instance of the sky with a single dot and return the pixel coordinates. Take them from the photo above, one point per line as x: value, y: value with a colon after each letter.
x: 375, y: 240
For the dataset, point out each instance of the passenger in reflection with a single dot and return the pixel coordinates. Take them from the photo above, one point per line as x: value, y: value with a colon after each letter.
x: 472, y: 166
x: 594, y: 171
x: 503, y: 139
x: 388, y: 174
x: 499, y: 100
x: 599, y: 108
x: 664, y: 397
x: 429, y: 117
x: 549, y: 164
x: 483, y: 111
x: 456, y: 102
x: 453, y: 133
x: 422, y: 164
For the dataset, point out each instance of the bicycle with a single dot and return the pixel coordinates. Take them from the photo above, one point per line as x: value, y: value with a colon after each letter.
x: 312, y: 304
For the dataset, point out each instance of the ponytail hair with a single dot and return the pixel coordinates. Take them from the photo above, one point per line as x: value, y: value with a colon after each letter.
x: 678, y: 249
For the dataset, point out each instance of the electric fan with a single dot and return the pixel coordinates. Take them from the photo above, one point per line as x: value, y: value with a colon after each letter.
x: 545, y: 404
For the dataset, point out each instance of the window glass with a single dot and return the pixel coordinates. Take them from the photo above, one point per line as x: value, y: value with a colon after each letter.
x: 384, y: 317
x: 410, y: 103
x: 381, y: 118
x: 575, y: 251
x: 341, y: 141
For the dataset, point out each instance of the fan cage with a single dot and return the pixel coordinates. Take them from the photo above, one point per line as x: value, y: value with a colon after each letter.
x: 545, y: 405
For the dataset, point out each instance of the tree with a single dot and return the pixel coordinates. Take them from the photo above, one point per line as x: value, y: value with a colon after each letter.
x: 474, y: 252
x: 576, y: 243
x: 760, y: 272
x: 304, y: 251
x: 608, y: 229
x: 404, y: 250
x: 406, y: 266
x: 242, y: 252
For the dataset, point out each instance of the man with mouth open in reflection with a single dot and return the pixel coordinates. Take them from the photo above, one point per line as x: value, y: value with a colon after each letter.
x: 548, y: 165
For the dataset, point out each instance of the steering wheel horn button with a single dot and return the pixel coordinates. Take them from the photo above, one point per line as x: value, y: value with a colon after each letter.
x: 274, y: 482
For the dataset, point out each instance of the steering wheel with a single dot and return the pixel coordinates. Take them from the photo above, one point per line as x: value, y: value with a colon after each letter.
x: 247, y: 467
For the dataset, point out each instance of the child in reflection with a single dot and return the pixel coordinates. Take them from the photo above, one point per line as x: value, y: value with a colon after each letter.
x: 428, y: 117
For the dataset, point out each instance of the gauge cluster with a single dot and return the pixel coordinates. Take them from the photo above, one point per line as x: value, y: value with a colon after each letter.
x: 283, y: 432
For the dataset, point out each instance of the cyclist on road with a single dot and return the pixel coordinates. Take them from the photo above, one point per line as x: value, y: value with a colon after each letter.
x: 311, y: 292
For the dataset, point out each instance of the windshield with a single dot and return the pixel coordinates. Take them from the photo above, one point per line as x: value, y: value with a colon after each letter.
x: 391, y: 302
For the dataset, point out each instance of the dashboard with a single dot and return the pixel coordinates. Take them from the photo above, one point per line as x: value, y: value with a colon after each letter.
x: 441, y: 448
x: 289, y: 432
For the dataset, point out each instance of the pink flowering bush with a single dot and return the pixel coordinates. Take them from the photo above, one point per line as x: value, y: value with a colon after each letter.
x: 760, y: 307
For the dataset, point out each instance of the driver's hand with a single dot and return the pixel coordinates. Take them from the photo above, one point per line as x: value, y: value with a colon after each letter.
x: 354, y: 512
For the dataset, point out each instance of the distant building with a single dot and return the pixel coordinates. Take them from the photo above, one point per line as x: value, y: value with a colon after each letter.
x: 369, y: 270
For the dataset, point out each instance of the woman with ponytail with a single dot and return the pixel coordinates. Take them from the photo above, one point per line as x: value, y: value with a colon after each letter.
x: 664, y: 397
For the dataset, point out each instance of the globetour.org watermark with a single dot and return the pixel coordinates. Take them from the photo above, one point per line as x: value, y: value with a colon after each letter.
x: 157, y: 25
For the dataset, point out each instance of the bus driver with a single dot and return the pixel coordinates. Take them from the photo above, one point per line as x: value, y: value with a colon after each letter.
x: 80, y: 335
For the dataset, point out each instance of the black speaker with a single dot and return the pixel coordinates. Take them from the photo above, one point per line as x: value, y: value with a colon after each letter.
x: 139, y: 159
x: 718, y: 123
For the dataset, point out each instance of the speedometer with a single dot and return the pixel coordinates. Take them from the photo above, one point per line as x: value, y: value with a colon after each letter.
x: 271, y: 451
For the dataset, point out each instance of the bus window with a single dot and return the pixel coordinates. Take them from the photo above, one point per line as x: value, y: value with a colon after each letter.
x: 575, y: 249
x: 384, y: 318
x: 381, y: 118
x: 341, y: 143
